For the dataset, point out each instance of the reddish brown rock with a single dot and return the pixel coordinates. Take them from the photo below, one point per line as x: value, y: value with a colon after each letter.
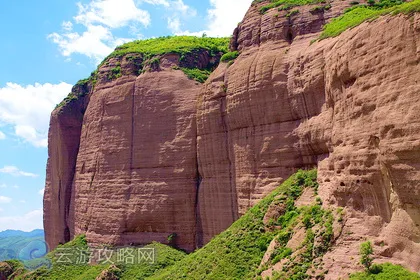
x: 160, y: 154
x: 135, y: 178
x: 347, y: 104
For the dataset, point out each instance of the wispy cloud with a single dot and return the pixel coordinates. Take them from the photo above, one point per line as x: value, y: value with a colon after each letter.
x: 5, y: 199
x: 41, y: 191
x: 99, y: 18
x: 14, y: 171
x: 2, y: 136
x: 28, y: 109
x: 222, y: 17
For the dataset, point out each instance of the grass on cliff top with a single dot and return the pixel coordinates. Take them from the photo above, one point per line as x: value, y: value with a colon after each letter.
x: 388, y: 271
x: 286, y: 4
x: 149, y: 48
x: 172, y: 44
x: 359, y: 14
x: 237, y: 252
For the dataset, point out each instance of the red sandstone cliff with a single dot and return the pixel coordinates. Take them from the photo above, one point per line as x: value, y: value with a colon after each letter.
x: 159, y: 154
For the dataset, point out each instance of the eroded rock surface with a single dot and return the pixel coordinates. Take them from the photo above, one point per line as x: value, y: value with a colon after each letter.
x: 348, y: 104
x: 160, y: 154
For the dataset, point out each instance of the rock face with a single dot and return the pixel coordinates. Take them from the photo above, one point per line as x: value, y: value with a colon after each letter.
x: 135, y: 177
x: 143, y: 157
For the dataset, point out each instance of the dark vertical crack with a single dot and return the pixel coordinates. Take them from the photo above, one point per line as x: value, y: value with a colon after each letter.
x: 199, y: 242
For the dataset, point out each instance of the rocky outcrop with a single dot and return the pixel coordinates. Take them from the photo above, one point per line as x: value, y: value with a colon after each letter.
x: 347, y: 104
x: 134, y: 180
x: 5, y: 270
x: 159, y: 154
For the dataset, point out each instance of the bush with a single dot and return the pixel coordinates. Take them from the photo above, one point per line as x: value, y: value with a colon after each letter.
x: 366, y: 252
x: 375, y: 269
x: 229, y: 56
x: 358, y: 14
x: 197, y: 74
x: 387, y: 272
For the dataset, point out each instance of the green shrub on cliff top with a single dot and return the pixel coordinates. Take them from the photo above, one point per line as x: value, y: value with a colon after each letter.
x: 172, y: 44
x: 181, y: 45
x: 288, y: 4
x: 359, y: 14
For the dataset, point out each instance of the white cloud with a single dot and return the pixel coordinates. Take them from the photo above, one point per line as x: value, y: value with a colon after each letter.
x: 41, y: 191
x: 222, y: 17
x: 96, y: 42
x: 179, y: 10
x: 27, y: 222
x: 111, y: 13
x: 3, y: 186
x: 99, y: 18
x: 174, y: 25
x: 28, y: 109
x: 14, y: 171
x: 67, y: 25
x: 5, y: 199
x: 2, y: 136
x: 157, y: 2
x: 1, y: 210
x: 181, y: 7
x: 22, y: 201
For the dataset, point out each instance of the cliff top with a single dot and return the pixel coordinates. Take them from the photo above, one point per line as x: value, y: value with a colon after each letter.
x: 172, y: 44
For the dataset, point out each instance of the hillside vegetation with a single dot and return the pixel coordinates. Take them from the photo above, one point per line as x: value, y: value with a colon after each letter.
x: 172, y: 44
x: 238, y: 252
x: 361, y: 13
x: 149, y: 52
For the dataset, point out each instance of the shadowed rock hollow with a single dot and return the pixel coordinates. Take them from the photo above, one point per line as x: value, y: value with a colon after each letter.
x: 137, y: 158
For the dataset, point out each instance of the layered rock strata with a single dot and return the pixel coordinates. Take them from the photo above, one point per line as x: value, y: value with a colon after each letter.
x: 158, y: 154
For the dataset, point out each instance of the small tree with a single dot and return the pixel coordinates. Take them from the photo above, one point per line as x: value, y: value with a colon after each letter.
x: 366, y: 252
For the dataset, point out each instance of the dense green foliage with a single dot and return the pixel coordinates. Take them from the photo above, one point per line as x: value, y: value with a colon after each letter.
x: 386, y: 272
x: 366, y: 252
x: 197, y: 74
x: 237, y: 252
x: 172, y: 44
x: 229, y: 56
x: 165, y: 256
x: 358, y: 14
x: 287, y: 4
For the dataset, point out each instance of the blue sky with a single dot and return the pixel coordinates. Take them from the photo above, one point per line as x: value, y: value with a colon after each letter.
x: 47, y: 46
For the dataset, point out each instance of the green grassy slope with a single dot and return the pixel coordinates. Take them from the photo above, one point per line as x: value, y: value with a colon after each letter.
x: 359, y: 14
x: 387, y: 272
x: 172, y: 44
x: 165, y: 256
x: 237, y: 252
